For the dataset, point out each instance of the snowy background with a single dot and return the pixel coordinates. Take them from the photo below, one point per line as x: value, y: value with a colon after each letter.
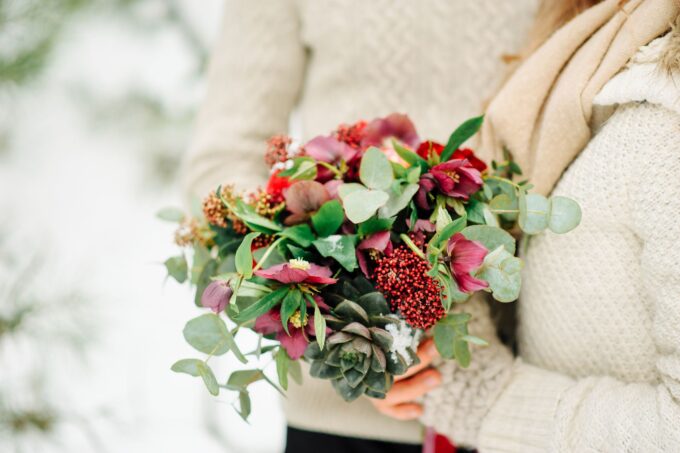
x: 97, y: 99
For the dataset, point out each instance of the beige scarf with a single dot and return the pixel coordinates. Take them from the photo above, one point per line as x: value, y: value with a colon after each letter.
x: 542, y: 114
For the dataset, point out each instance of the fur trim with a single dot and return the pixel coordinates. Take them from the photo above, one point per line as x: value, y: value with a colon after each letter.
x: 670, y: 57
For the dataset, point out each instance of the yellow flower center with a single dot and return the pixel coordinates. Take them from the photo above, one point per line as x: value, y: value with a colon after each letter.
x: 296, y: 320
x: 298, y: 263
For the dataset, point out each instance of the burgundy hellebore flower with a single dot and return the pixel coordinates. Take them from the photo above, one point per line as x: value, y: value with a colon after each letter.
x: 379, y: 242
x: 298, y: 271
x: 303, y: 199
x: 331, y: 151
x: 217, y: 295
x: 396, y: 125
x: 457, y: 178
x: 466, y: 257
x: 296, y: 340
x: 427, y: 184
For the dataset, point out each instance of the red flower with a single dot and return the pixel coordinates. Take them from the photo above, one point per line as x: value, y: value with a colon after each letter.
x: 457, y: 178
x: 376, y: 242
x: 296, y: 340
x: 466, y: 256
x: 276, y: 185
x: 428, y: 147
x: 467, y: 153
x: 298, y: 271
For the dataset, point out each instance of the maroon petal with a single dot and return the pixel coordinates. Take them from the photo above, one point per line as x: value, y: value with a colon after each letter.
x: 466, y: 255
x: 217, y: 295
x: 396, y: 125
x: 295, y: 343
x: 469, y: 284
x: 363, y: 262
x: 328, y: 149
x: 332, y: 188
x: 377, y: 241
x: 283, y: 273
x: 305, y: 197
x: 268, y: 323
x: 422, y: 225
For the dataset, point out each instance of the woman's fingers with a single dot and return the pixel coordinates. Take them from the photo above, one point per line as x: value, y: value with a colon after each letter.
x: 406, y: 411
x: 408, y: 390
x: 427, y: 351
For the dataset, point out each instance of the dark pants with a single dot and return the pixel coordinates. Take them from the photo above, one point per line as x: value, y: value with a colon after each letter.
x: 300, y: 441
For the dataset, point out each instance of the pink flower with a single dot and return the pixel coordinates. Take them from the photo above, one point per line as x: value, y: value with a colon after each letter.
x: 457, y: 178
x: 303, y: 199
x: 396, y: 125
x: 376, y: 242
x: 296, y: 340
x: 331, y: 151
x: 466, y: 257
x: 298, y: 271
x: 426, y: 185
x: 217, y: 295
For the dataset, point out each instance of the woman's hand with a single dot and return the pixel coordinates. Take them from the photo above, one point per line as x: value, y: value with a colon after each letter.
x: 418, y: 380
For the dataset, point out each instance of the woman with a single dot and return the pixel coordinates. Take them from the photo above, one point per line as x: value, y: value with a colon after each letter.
x: 599, y: 317
x: 338, y: 62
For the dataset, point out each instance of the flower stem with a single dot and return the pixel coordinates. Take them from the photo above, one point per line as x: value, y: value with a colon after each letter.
x: 270, y: 249
x: 414, y: 248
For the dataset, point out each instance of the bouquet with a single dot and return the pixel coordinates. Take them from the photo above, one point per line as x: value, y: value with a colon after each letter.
x: 361, y: 243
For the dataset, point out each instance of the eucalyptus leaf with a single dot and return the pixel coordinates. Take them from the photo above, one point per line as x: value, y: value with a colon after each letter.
x: 282, y: 363
x: 534, y: 213
x: 195, y: 367
x: 398, y: 199
x: 171, y: 215
x: 209, y: 334
x: 503, y: 273
x: 177, y: 268
x: 319, y: 327
x: 375, y: 170
x: 244, y: 405
x: 490, y: 237
x: 360, y: 205
x: 241, y: 379
x: 565, y: 214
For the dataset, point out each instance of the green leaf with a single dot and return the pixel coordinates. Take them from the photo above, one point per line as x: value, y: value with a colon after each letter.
x: 328, y: 218
x: 301, y: 234
x: 490, y: 237
x: 460, y: 135
x: 177, y: 268
x: 295, y: 371
x: 247, y: 213
x: 319, y: 327
x: 243, y: 378
x: 204, y: 279
x: 171, y: 215
x: 290, y: 304
x: 443, y: 218
x: 282, y: 362
x: 410, y: 157
x: 209, y: 334
x: 339, y: 247
x: 565, y: 214
x: 461, y: 351
x: 244, y: 405
x: 505, y: 205
x: 361, y: 204
x: 244, y: 256
x: 444, y: 336
x: 534, y: 212
x: 398, y: 169
x: 442, y: 237
x: 195, y: 367
x: 475, y: 211
x: 273, y: 258
x: 348, y: 188
x: 263, y: 305
x: 303, y: 168
x: 503, y: 273
x: 375, y: 170
x: 374, y: 225
x: 399, y: 198
x: 475, y: 340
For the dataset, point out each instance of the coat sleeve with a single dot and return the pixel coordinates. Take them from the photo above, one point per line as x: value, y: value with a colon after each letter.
x: 253, y: 83
x: 530, y: 409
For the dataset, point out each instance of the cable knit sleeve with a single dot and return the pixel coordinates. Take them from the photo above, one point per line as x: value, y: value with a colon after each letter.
x: 530, y: 409
x: 253, y: 83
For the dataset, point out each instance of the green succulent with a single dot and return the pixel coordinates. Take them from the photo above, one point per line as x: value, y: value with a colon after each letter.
x: 357, y: 357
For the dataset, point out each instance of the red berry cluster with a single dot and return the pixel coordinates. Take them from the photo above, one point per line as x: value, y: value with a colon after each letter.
x: 277, y: 149
x: 351, y: 133
x: 402, y: 278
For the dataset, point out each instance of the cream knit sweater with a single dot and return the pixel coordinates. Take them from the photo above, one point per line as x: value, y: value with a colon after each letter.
x: 599, y: 315
x: 338, y: 61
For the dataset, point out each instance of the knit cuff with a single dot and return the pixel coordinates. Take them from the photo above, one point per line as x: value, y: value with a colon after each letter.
x: 523, y: 418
